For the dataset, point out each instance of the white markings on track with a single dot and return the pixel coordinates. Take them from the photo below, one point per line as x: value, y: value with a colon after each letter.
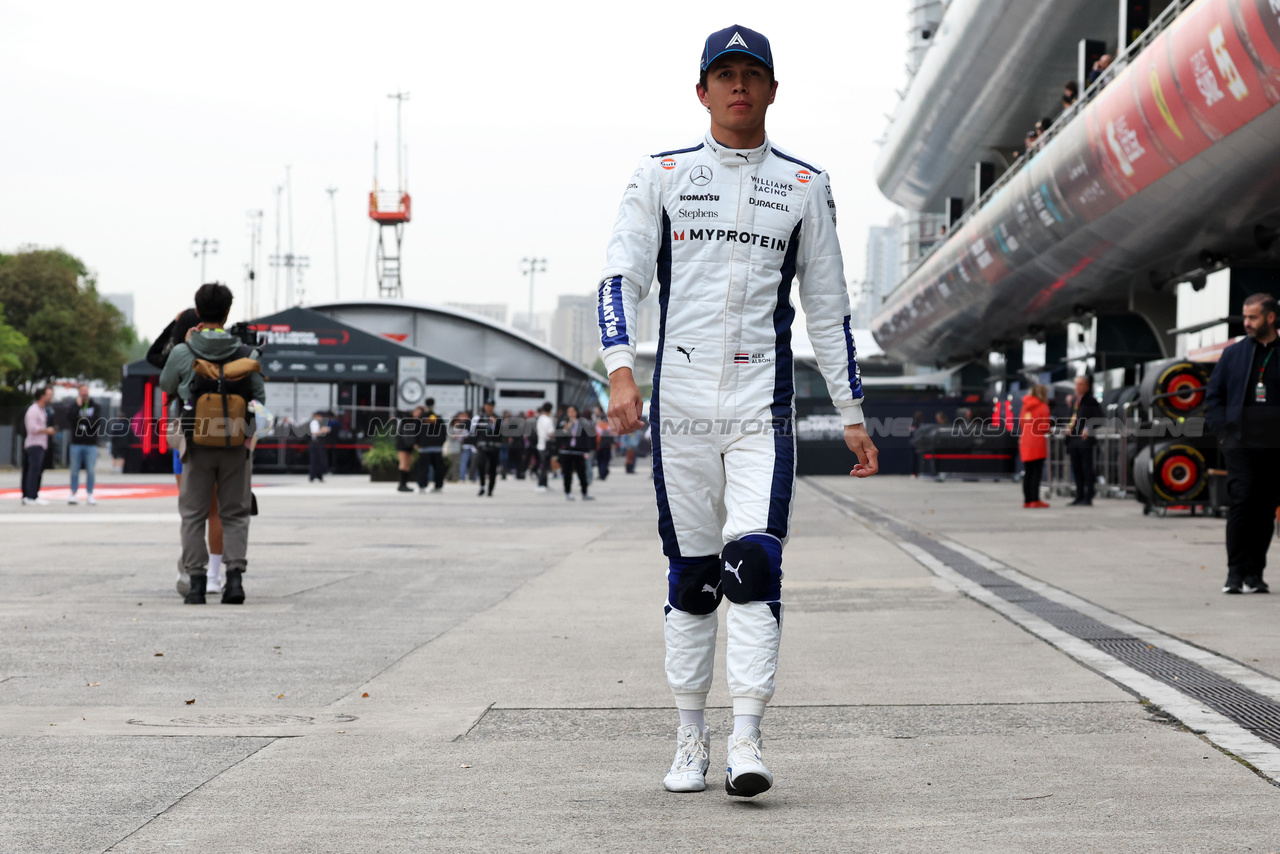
x: 74, y: 518
x: 1261, y: 683
x: 1215, y: 727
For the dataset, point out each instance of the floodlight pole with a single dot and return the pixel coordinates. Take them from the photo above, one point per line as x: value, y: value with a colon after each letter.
x: 529, y: 267
x: 201, y: 247
x: 333, y: 207
x: 251, y: 274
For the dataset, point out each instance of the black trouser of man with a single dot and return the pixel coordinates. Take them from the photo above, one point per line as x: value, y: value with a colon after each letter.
x: 490, y: 459
x: 318, y: 460
x: 603, y: 456
x: 1253, y: 487
x: 431, y: 464
x: 544, y: 467
x: 515, y: 458
x: 570, y: 464
x: 1082, y: 471
x: 34, y: 457
x: 1032, y: 471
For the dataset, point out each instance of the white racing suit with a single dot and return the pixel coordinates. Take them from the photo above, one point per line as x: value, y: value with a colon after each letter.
x: 727, y: 232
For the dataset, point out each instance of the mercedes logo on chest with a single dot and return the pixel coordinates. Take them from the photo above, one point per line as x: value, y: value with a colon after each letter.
x: 701, y: 175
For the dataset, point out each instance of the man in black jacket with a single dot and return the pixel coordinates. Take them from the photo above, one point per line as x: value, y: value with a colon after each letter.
x: 431, y: 439
x: 89, y: 426
x: 1243, y: 411
x: 576, y: 439
x: 486, y: 430
x: 1086, y: 412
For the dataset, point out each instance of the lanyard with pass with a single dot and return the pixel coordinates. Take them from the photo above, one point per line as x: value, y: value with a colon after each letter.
x: 1260, y: 391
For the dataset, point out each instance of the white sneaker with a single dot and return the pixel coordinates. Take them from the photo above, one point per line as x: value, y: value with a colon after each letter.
x: 746, y: 775
x: 541, y: 489
x: 40, y: 501
x: 91, y: 499
x: 72, y: 500
x: 568, y: 496
x: 212, y: 583
x: 25, y: 501
x: 689, y: 770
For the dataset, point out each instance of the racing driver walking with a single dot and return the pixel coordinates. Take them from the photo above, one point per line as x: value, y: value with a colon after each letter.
x: 727, y: 225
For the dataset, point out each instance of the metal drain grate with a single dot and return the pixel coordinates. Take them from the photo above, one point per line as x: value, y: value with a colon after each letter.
x: 1256, y: 713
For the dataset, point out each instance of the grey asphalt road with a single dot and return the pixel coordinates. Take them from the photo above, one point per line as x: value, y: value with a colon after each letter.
x: 447, y: 672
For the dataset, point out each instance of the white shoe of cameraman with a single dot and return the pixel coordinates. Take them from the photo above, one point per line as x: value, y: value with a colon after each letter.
x: 689, y: 769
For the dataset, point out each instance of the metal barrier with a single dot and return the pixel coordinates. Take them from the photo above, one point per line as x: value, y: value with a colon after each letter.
x: 1110, y: 463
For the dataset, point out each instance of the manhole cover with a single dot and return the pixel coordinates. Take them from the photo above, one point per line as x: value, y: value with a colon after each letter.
x: 219, y: 721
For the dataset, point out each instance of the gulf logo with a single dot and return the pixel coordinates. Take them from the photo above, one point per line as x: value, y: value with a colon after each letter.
x: 668, y: 163
x: 804, y: 176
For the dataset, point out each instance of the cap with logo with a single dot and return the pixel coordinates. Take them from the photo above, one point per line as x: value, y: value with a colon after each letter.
x: 736, y: 39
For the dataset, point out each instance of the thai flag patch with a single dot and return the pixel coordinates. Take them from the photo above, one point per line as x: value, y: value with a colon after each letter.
x: 742, y: 358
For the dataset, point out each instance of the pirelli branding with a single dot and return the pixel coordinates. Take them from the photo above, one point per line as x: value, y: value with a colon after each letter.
x: 729, y: 236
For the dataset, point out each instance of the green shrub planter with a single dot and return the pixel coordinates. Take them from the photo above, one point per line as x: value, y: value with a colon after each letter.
x: 382, y: 462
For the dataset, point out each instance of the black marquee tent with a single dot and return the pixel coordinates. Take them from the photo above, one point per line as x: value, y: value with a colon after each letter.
x: 312, y: 363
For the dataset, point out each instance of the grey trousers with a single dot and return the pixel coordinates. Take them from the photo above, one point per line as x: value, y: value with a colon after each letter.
x: 230, y: 470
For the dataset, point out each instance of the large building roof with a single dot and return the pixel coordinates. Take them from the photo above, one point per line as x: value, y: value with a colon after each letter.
x: 504, y: 362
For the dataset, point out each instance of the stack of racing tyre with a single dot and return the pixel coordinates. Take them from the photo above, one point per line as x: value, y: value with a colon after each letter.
x: 1174, y: 468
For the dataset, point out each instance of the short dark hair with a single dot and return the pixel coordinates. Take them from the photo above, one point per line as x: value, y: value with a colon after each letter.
x: 1268, y: 303
x: 1072, y: 86
x: 40, y: 390
x: 546, y: 407
x: 702, y: 76
x: 213, y: 302
x: 429, y: 403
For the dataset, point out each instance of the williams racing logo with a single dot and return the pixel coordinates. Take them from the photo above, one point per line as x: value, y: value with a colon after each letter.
x: 766, y: 187
x: 730, y: 236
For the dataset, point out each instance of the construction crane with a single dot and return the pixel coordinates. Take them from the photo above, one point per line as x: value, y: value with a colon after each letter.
x: 390, y: 210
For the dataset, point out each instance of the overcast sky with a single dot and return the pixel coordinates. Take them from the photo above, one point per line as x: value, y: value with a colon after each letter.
x: 132, y: 128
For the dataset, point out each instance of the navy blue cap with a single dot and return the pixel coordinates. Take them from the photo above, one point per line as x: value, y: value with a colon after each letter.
x: 736, y: 39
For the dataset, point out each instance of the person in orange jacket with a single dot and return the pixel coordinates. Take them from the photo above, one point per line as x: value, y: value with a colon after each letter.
x: 1033, y: 444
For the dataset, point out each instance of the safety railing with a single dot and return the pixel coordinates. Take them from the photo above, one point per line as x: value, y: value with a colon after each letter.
x: 1122, y: 60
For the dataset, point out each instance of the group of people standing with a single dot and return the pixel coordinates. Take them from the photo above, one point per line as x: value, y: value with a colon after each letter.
x: 487, y: 446
x: 87, y: 420
x: 1033, y: 442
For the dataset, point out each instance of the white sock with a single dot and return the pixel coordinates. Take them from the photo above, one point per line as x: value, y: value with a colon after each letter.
x: 215, y: 566
x: 693, y: 716
x: 741, y: 722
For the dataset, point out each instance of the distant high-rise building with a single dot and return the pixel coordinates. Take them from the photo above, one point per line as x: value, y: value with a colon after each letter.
x: 124, y: 302
x: 575, y: 331
x: 495, y: 311
x: 884, y: 269
x: 535, y: 329
x: 647, y: 313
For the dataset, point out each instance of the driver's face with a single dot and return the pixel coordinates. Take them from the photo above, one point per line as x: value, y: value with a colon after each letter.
x: 738, y: 92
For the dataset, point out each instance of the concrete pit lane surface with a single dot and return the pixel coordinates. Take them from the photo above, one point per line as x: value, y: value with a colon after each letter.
x: 440, y: 672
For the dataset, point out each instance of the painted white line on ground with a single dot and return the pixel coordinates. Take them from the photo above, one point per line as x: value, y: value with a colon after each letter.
x: 1219, y: 729
x: 83, y: 518
x: 388, y: 491
x: 1263, y: 684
